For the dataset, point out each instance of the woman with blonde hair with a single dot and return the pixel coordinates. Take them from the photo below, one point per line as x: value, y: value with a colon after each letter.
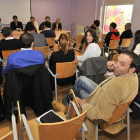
x: 63, y: 55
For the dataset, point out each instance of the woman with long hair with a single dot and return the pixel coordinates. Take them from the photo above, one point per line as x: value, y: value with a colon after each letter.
x: 93, y: 49
x: 63, y: 55
x: 136, y: 46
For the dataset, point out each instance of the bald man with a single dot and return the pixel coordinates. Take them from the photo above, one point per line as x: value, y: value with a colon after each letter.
x: 57, y: 25
x: 127, y: 33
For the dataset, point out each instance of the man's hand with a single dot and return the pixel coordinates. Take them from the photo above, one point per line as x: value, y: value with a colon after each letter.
x: 110, y: 65
x: 4, y: 64
x: 0, y: 25
x: 19, y: 29
x: 81, y: 102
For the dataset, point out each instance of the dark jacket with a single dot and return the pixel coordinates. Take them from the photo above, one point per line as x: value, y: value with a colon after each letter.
x: 31, y: 87
x: 12, y: 44
x: 94, y: 68
x: 54, y: 26
x: 59, y: 57
x: 41, y: 26
x: 48, y: 33
x: 13, y: 25
x: 126, y: 34
x: 112, y: 35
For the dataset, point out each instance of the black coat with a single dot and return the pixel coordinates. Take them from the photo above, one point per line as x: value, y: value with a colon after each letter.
x: 31, y: 87
x: 48, y: 33
x: 13, y: 25
x: 11, y: 44
x: 54, y: 26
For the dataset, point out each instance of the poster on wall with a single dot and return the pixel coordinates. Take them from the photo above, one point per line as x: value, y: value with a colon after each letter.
x: 120, y: 14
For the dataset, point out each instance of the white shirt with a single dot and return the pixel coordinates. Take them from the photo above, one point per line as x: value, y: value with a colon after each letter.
x: 9, y: 38
x: 137, y: 49
x: 36, y: 25
x: 92, y: 50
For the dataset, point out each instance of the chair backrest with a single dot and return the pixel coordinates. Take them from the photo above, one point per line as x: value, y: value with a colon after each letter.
x: 66, y: 69
x: 20, y: 122
x: 126, y: 42
x: 114, y: 44
x: 72, y: 111
x: 79, y: 38
x: 56, y: 48
x: 119, y: 112
x: 103, y: 36
x: 6, y: 53
x: 45, y: 50
x: 101, y: 44
x: 66, y: 130
x: 8, y: 136
x: 50, y: 41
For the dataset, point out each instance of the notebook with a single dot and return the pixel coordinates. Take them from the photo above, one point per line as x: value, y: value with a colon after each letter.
x: 49, y: 117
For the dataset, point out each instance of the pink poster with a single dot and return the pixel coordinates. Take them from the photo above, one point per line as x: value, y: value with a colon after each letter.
x: 106, y: 28
x: 116, y: 11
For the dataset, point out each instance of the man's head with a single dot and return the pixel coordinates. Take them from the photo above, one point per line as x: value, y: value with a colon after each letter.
x: 27, y: 40
x: 15, y: 18
x: 96, y: 23
x: 126, y: 63
x: 47, y: 18
x: 29, y: 27
x: 7, y: 32
x: 32, y: 19
x: 57, y: 20
x: 47, y: 25
x: 127, y: 26
x: 112, y: 26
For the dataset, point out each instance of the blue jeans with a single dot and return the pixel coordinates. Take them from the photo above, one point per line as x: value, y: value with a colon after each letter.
x: 82, y: 88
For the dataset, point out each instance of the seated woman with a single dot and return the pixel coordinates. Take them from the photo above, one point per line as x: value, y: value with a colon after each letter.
x: 136, y: 46
x: 93, y: 49
x: 63, y: 55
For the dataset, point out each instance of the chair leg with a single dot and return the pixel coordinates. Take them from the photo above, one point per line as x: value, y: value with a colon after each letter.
x: 128, y: 125
x: 55, y: 88
x: 96, y: 132
x: 83, y: 134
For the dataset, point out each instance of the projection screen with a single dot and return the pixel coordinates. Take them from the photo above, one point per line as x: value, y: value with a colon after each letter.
x: 20, y: 8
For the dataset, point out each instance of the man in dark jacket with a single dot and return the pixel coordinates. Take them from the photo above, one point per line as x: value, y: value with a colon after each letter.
x: 127, y: 33
x: 48, y: 33
x: 16, y: 25
x: 57, y: 25
x: 9, y: 43
x: 113, y: 34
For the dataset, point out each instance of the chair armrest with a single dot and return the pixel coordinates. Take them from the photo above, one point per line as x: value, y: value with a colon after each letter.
x: 51, y: 72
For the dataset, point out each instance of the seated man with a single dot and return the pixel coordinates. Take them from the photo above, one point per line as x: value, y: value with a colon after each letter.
x: 16, y: 25
x: 32, y: 19
x: 48, y: 33
x: 101, y: 100
x: 9, y: 43
x: 41, y: 26
x: 113, y: 34
x: 98, y: 29
x: 26, y: 57
x: 57, y: 25
x: 127, y: 33
x: 39, y: 39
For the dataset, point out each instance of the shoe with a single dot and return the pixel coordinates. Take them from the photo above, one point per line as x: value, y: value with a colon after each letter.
x: 58, y: 106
